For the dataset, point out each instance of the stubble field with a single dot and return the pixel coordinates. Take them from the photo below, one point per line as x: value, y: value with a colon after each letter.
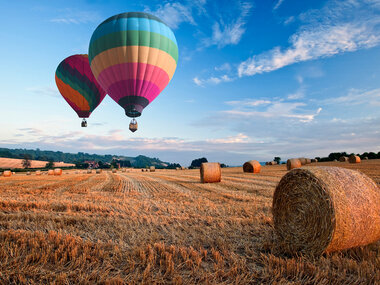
x: 160, y: 227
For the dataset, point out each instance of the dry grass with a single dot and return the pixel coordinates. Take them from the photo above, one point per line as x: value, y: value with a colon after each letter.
x: 17, y: 163
x: 160, y: 227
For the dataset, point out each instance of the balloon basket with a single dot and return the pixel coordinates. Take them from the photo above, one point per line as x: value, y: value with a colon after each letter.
x: 133, y: 126
x: 84, y: 123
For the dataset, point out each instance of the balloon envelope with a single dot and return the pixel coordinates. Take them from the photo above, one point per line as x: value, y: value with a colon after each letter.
x: 133, y: 56
x: 78, y: 85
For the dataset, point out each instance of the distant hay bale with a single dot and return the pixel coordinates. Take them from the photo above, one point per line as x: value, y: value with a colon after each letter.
x: 58, y: 171
x: 354, y: 159
x: 308, y: 160
x: 38, y: 173
x: 335, y: 160
x: 13, y: 173
x: 210, y: 172
x: 28, y: 173
x: 302, y: 160
x: 267, y: 163
x: 7, y: 173
x: 343, y: 159
x: 98, y: 171
x: 177, y: 168
x: 89, y: 171
x: 325, y: 209
x: 50, y: 172
x: 152, y: 169
x: 314, y: 160
x: 365, y: 158
x: 293, y: 163
x: 123, y: 170
x: 183, y: 168
x: 114, y: 170
x: 252, y: 166
x: 142, y: 169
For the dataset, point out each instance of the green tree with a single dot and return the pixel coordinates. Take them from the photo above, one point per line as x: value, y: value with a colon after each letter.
x: 277, y: 159
x: 50, y: 164
x: 26, y: 163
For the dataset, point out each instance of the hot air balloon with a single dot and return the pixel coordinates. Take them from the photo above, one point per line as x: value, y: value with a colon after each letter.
x: 133, y: 57
x: 78, y: 85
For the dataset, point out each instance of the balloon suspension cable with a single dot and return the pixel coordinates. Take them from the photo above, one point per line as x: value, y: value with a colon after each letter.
x: 84, y: 123
x: 133, y: 125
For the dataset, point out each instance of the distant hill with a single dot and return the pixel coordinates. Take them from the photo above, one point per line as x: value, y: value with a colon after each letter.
x: 56, y: 156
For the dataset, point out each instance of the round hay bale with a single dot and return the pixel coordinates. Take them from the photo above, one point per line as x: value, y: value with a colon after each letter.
x: 28, y: 173
x: 114, y: 170
x: 308, y: 160
x: 13, y: 173
x: 98, y: 171
x: 89, y: 171
x: 38, y: 172
x: 50, y: 172
x: 325, y: 209
x: 183, y: 168
x: 314, y: 160
x: 123, y: 170
x: 335, y: 160
x: 252, y: 166
x: 293, y: 163
x: 152, y: 169
x: 57, y: 171
x: 7, y: 173
x: 354, y: 159
x: 365, y: 158
x: 343, y: 159
x: 211, y: 172
x: 177, y: 168
x: 302, y: 160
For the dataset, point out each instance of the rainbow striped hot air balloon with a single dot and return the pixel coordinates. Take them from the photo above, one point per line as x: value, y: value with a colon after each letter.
x: 78, y: 85
x: 133, y: 56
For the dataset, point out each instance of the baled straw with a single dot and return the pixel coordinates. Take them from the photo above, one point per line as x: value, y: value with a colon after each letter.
x: 98, y: 171
x: 50, y: 172
x: 7, y: 173
x: 302, y: 160
x: 293, y: 163
x: 114, y: 170
x: 343, y: 159
x: 152, y: 169
x: 38, y: 172
x: 58, y: 171
x: 314, y: 160
x: 89, y: 171
x: 211, y: 172
x: 308, y: 160
x: 354, y: 159
x: 252, y: 166
x: 325, y: 209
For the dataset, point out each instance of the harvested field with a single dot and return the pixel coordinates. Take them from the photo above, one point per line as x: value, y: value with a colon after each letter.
x: 11, y: 163
x: 161, y: 227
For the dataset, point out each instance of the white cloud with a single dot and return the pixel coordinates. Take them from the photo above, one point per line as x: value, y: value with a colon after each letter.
x: 173, y: 14
x: 278, y: 4
x: 330, y: 32
x: 357, y: 97
x: 249, y: 103
x: 212, y: 80
x: 76, y: 17
x: 229, y: 33
x: 44, y: 90
x: 224, y: 67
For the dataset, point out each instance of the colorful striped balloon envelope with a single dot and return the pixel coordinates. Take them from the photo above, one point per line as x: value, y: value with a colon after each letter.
x: 133, y: 57
x: 78, y: 85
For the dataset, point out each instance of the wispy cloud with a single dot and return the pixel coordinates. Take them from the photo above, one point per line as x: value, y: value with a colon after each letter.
x: 328, y: 32
x: 357, y: 97
x: 76, y: 17
x: 212, y: 80
x: 229, y: 33
x: 44, y: 90
x: 278, y: 4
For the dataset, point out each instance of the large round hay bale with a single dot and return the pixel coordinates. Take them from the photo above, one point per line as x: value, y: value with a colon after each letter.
x: 58, y: 171
x: 152, y: 169
x: 293, y: 163
x: 354, y: 159
x: 98, y: 171
x: 343, y: 159
x: 302, y: 160
x: 7, y: 173
x: 38, y: 172
x: 252, y: 166
x: 325, y: 209
x: 114, y: 170
x: 211, y: 172
x: 50, y: 172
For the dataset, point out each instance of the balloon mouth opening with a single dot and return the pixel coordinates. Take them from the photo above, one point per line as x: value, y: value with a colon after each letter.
x: 133, y: 111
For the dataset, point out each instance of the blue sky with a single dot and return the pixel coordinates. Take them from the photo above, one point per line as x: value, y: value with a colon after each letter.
x: 255, y: 79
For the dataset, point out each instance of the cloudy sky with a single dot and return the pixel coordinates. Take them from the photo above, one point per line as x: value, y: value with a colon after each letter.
x: 255, y: 79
